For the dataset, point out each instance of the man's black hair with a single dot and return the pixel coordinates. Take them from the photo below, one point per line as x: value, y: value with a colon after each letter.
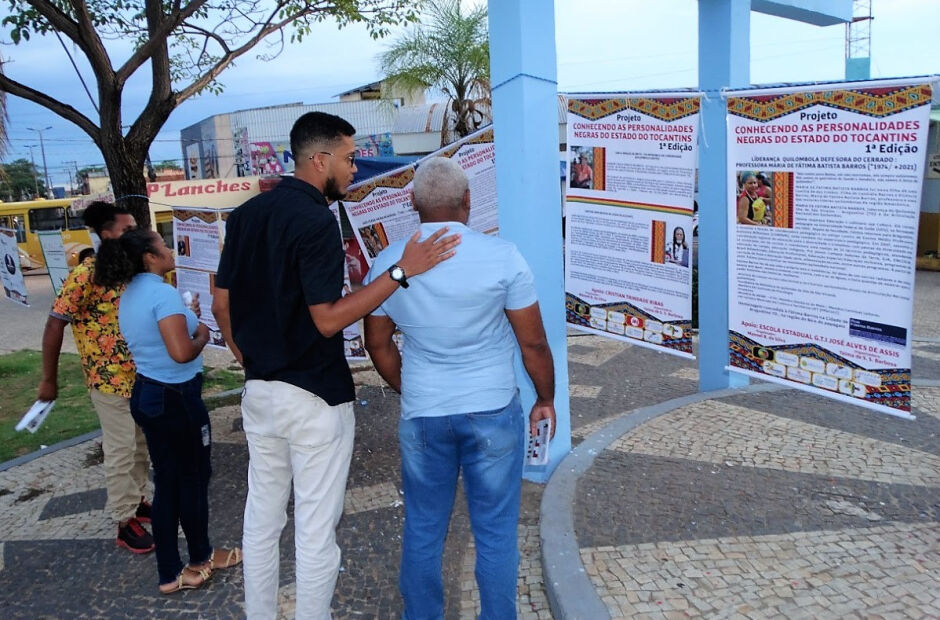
x: 99, y: 214
x: 314, y: 127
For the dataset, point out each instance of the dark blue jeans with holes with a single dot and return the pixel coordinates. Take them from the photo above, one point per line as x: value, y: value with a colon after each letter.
x: 176, y: 424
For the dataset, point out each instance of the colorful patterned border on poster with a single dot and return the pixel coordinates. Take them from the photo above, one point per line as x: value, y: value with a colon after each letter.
x: 782, y: 184
x: 874, y: 102
x: 808, y: 366
x: 662, y: 108
x: 629, y: 323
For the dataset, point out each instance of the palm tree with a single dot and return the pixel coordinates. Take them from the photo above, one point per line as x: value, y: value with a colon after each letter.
x: 448, y: 50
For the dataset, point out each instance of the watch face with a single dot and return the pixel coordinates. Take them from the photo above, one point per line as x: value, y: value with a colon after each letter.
x: 397, y: 273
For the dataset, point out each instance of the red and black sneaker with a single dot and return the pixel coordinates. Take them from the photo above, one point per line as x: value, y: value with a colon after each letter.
x: 133, y: 537
x: 143, y: 511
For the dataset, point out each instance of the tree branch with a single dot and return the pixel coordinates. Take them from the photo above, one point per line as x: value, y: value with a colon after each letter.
x: 157, y: 37
x: 65, y: 111
x: 86, y: 37
x: 216, y: 69
x: 58, y: 20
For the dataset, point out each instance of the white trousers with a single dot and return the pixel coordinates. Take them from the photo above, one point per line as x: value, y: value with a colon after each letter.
x: 293, y: 434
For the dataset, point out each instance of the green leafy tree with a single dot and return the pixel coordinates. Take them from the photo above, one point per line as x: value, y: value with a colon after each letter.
x: 448, y: 50
x: 20, y: 180
x: 168, y: 164
x: 182, y: 46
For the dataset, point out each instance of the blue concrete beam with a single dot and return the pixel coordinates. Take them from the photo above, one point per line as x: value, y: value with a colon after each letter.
x: 816, y: 12
x: 525, y: 126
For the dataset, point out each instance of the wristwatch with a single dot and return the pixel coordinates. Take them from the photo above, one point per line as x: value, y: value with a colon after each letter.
x: 398, y: 274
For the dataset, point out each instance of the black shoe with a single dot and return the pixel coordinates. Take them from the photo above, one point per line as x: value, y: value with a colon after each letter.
x: 143, y: 511
x: 133, y: 537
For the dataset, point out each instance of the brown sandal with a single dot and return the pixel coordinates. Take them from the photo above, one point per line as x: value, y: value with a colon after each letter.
x: 198, y: 578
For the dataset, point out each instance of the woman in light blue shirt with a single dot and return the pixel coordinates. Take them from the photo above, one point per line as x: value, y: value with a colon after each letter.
x: 166, y: 340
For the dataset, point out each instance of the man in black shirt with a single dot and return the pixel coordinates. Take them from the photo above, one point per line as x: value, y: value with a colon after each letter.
x: 278, y: 303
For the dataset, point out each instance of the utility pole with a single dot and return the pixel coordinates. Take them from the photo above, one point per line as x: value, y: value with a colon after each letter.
x: 42, y: 148
x: 72, y: 180
x: 33, y: 159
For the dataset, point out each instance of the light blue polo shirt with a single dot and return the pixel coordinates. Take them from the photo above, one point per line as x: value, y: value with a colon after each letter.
x: 146, y: 301
x: 459, y: 347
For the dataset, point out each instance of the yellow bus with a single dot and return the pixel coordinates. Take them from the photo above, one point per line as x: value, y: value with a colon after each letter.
x: 31, y: 216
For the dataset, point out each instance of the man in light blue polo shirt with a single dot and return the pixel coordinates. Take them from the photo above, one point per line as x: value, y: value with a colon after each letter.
x: 460, y: 406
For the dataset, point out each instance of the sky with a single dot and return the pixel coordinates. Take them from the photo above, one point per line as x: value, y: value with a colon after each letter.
x: 601, y: 45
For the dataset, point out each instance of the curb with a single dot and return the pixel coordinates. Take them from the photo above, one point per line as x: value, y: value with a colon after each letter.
x: 571, y: 594
x: 213, y: 401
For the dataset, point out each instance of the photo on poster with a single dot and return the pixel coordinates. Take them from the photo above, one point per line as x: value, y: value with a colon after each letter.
x: 587, y: 167
x: 677, y: 250
x: 374, y: 238
x: 764, y: 198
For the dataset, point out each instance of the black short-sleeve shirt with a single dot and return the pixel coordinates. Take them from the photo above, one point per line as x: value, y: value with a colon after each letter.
x: 283, y: 253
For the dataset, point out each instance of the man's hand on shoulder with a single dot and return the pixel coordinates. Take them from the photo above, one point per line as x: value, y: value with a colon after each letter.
x: 541, y: 411
x: 419, y: 256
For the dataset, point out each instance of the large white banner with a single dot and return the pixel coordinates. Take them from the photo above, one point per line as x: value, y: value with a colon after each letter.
x: 628, y: 225
x: 380, y: 210
x: 823, y: 204
x: 11, y: 275
x: 53, y: 252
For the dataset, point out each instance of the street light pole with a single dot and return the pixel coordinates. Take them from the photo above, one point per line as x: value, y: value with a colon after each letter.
x: 42, y: 148
x: 33, y: 159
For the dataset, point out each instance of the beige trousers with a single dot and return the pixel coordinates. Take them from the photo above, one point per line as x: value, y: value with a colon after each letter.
x: 293, y: 435
x: 126, y: 461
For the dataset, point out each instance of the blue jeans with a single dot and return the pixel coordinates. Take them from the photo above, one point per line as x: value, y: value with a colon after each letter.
x: 176, y: 425
x: 488, y: 447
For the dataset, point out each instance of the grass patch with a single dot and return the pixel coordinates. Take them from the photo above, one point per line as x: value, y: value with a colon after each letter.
x: 73, y: 414
x: 221, y: 380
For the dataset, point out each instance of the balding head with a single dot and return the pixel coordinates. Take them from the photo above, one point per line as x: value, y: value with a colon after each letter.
x: 441, y: 190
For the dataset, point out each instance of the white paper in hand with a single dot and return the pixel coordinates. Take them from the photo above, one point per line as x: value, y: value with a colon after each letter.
x: 35, y: 416
x: 537, y: 452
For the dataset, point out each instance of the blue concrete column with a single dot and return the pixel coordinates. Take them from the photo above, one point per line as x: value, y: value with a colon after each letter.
x: 723, y: 61
x: 525, y: 124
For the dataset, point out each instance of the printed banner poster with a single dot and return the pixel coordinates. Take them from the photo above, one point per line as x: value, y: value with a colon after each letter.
x: 202, y: 283
x: 196, y: 238
x: 14, y: 286
x: 53, y: 252
x: 353, y: 344
x: 628, y: 224
x: 271, y: 158
x: 380, y: 209
x: 823, y: 204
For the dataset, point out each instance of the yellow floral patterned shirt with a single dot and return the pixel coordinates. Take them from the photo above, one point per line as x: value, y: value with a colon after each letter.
x: 93, y: 312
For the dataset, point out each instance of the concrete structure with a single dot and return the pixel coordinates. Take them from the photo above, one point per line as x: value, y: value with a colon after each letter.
x: 525, y: 113
x: 724, y: 62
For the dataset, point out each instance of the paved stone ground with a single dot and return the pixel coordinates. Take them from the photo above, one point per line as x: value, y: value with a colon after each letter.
x: 776, y: 504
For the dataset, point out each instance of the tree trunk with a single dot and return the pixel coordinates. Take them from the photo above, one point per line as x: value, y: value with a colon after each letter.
x: 126, y: 170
